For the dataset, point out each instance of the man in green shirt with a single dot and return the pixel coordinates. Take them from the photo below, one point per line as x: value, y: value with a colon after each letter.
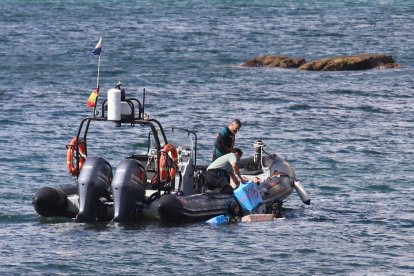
x: 217, y: 176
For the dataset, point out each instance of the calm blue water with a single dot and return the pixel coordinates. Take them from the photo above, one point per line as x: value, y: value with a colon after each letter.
x: 349, y: 135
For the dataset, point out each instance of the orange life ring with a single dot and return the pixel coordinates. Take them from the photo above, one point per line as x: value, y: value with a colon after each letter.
x: 70, y: 160
x: 168, y: 148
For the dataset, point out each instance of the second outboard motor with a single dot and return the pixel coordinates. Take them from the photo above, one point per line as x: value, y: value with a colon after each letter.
x: 128, y: 189
x: 94, y: 182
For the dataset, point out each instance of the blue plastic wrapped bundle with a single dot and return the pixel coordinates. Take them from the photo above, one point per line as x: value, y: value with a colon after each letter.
x: 221, y: 219
x: 248, y: 196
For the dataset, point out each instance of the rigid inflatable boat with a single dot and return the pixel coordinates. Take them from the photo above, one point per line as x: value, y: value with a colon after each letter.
x: 162, y: 182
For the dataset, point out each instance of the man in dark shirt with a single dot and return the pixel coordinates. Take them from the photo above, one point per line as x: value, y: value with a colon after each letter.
x: 226, y: 138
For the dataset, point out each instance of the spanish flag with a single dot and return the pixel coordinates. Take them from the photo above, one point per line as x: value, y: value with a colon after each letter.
x: 92, y: 98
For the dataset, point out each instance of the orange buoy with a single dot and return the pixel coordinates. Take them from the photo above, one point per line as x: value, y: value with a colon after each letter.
x: 70, y: 153
x: 163, y: 165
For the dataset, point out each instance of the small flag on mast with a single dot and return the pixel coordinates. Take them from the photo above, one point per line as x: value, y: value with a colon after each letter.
x: 92, y: 98
x: 98, y: 48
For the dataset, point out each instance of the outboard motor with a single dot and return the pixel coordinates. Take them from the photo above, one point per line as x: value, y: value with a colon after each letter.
x: 94, y: 182
x: 128, y: 189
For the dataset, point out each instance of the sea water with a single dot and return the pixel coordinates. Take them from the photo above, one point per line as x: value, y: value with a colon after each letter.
x: 348, y: 135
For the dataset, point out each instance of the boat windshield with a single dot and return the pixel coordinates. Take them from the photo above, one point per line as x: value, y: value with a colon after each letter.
x: 181, y: 138
x: 116, y: 143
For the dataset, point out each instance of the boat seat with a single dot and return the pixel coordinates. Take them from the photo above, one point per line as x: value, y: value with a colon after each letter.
x: 148, y: 162
x: 247, y: 171
x: 247, y: 166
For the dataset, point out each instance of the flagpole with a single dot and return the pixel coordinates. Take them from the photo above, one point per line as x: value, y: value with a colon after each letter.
x: 97, y: 87
x: 97, y: 78
x: 97, y: 51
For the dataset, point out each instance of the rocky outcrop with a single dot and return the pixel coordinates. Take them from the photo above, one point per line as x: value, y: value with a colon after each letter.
x: 275, y: 61
x: 356, y: 62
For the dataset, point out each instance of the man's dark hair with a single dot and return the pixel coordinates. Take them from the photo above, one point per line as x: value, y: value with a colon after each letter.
x: 237, y: 121
x: 237, y: 150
